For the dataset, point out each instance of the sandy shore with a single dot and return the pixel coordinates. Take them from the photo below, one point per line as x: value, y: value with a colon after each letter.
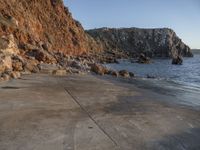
x: 41, y: 112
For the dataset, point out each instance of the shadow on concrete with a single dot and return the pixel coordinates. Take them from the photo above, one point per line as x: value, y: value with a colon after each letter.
x: 10, y: 87
x: 188, y: 140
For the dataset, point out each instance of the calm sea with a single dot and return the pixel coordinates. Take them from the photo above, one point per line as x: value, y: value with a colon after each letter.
x: 182, y: 81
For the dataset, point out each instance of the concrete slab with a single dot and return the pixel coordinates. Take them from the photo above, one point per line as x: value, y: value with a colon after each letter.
x: 38, y: 114
x: 41, y: 112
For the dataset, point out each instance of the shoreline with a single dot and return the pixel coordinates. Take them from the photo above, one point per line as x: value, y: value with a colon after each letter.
x: 153, y: 85
x: 182, y: 94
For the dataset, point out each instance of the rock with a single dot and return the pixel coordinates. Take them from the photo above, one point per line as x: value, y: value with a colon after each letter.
x: 76, y: 64
x: 48, y: 68
x: 17, y: 66
x: 42, y: 56
x: 25, y: 72
x: 5, y: 63
x: 44, y: 46
x: 31, y: 65
x: 111, y: 60
x: 1, y: 79
x: 150, y: 77
x: 69, y: 70
x: 152, y: 42
x: 9, y: 47
x: 29, y: 47
x: 124, y: 73
x: 131, y: 74
x: 177, y: 61
x: 115, y: 73
x: 73, y: 71
x: 15, y: 75
x: 59, y: 72
x: 18, y: 58
x: 2, y: 67
x: 4, y: 42
x: 99, y: 69
x: 5, y: 77
x: 143, y: 59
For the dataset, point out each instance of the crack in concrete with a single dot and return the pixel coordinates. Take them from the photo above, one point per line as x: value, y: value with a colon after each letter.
x: 74, y: 98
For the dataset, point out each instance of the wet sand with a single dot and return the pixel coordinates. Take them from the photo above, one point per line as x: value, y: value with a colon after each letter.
x: 42, y: 112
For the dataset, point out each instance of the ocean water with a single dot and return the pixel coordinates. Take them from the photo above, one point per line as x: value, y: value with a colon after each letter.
x: 181, y: 81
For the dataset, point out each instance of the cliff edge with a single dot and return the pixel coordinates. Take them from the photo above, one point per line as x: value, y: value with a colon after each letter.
x: 153, y: 42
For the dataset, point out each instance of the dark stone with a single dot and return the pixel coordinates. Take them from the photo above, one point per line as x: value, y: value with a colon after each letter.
x: 76, y: 64
x: 131, y: 74
x: 177, y: 60
x: 99, y: 69
x: 143, y: 59
x: 150, y: 77
x: 124, y: 73
x: 41, y: 55
x: 115, y: 73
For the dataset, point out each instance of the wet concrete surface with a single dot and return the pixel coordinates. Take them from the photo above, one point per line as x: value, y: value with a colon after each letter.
x: 41, y: 112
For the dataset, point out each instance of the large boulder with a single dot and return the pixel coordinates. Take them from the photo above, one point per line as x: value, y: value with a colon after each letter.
x: 177, y: 60
x: 42, y: 56
x: 15, y: 75
x: 80, y: 64
x: 143, y: 59
x: 8, y: 49
x: 124, y: 73
x: 48, y: 68
x: 31, y: 65
x: 5, y: 63
x: 17, y: 66
x: 8, y: 45
x: 60, y: 72
x: 99, y: 69
x: 5, y: 77
x: 114, y: 73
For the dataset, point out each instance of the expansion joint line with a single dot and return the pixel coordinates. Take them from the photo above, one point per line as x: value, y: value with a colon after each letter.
x: 74, y: 98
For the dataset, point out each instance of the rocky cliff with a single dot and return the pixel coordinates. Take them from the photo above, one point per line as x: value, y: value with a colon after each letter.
x: 41, y: 35
x: 46, y: 23
x: 152, y: 42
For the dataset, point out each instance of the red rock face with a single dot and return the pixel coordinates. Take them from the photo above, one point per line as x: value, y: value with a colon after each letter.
x: 44, y: 21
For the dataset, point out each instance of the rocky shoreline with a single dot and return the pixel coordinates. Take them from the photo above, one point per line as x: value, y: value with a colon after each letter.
x: 29, y: 45
x: 15, y: 62
x: 40, y: 60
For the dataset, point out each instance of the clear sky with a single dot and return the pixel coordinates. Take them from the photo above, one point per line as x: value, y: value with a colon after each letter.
x: 183, y: 16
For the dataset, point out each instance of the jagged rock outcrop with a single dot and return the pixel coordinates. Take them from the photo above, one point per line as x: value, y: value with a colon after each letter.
x: 151, y: 42
x: 44, y: 23
x: 8, y: 50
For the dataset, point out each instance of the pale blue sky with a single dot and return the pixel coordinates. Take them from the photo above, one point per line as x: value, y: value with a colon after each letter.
x: 181, y: 15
